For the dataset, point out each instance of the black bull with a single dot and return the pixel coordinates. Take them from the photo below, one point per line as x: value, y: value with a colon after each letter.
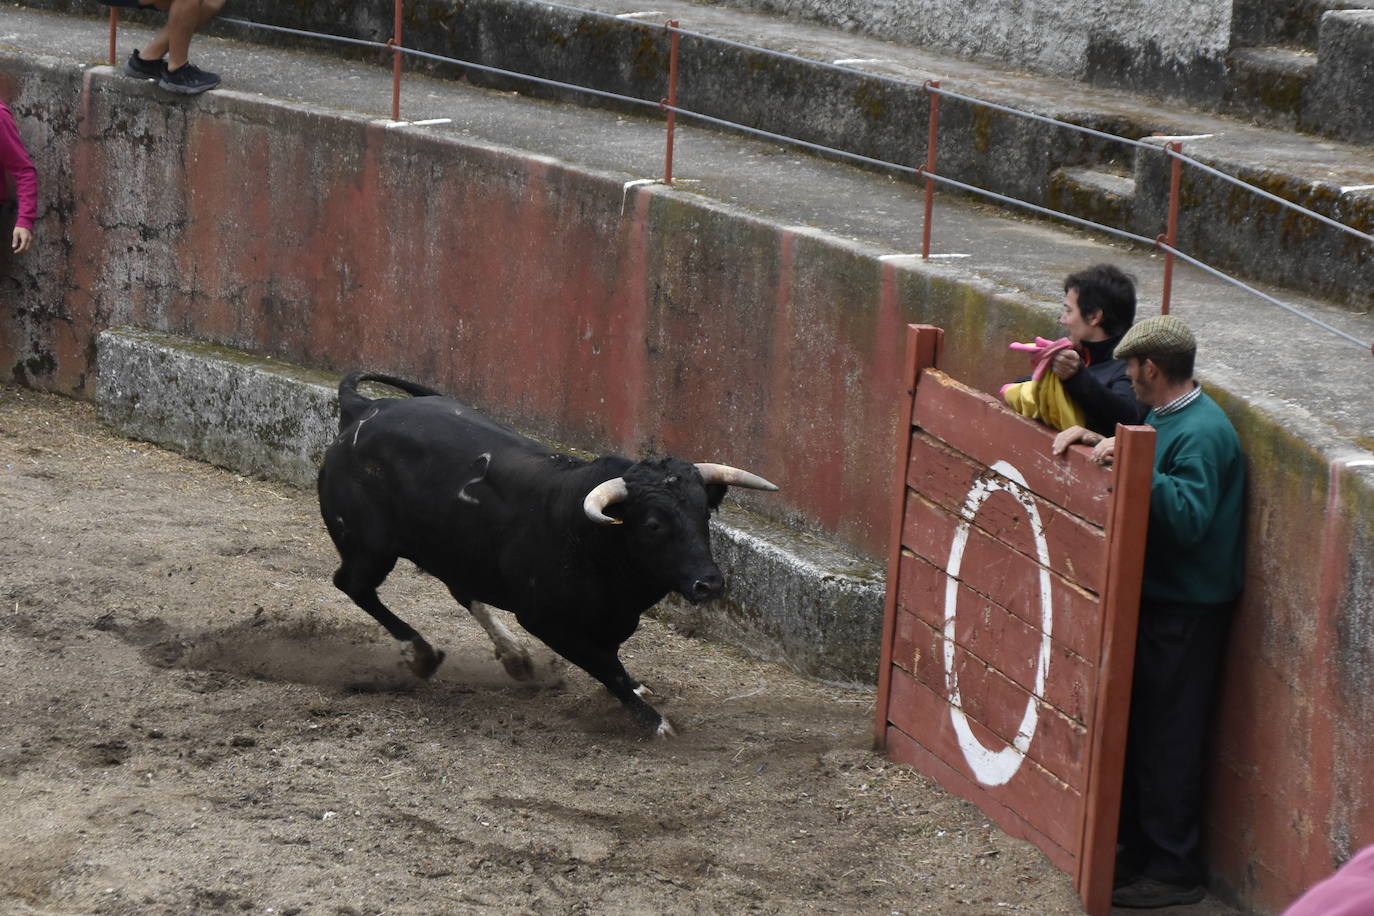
x: 576, y: 549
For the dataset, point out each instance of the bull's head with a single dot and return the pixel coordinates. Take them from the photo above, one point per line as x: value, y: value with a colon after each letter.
x: 665, y: 505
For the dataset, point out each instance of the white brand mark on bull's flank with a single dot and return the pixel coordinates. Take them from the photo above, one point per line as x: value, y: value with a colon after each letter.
x: 996, y: 768
x: 359, y: 428
x: 484, y: 462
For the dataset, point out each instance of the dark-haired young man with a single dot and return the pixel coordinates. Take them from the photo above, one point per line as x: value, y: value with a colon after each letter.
x: 1099, y: 307
x: 1194, y: 563
x: 176, y: 73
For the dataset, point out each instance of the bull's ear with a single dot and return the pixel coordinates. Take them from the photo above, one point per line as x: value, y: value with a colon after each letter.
x: 715, y: 492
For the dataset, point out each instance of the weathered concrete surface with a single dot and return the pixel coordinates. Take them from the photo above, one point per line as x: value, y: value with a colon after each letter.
x: 1174, y: 47
x: 1339, y: 92
x: 1223, y: 224
x: 745, y: 315
x: 793, y: 598
x: 249, y: 414
x: 877, y: 107
x: 789, y: 596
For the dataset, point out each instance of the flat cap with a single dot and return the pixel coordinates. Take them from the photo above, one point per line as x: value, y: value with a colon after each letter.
x: 1157, y: 336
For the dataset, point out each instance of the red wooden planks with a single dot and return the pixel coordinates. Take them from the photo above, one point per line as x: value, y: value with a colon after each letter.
x: 992, y: 700
x: 953, y: 482
x: 904, y: 749
x: 1053, y: 806
x: 986, y: 565
x: 922, y: 590
x: 991, y: 632
x: 987, y: 431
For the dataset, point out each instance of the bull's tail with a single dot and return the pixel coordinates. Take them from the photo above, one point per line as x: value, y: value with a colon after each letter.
x: 352, y: 404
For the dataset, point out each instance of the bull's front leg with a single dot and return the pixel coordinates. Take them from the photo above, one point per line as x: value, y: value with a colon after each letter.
x: 603, y: 663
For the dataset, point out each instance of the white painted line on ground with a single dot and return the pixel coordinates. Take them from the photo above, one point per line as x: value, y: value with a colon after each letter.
x: 1357, y: 187
x: 848, y: 61
x: 639, y: 15
x: 898, y: 257
x: 1187, y: 137
x: 431, y: 122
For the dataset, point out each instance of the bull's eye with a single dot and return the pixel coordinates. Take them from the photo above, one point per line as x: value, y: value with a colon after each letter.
x: 654, y: 525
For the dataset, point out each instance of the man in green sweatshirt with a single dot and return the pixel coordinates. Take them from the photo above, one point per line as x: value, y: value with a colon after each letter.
x: 1194, y: 565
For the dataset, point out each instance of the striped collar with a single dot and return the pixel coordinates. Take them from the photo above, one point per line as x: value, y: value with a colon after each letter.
x: 1179, y: 402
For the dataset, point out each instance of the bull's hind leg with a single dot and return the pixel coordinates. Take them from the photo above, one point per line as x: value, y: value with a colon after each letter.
x: 510, y: 651
x: 359, y: 579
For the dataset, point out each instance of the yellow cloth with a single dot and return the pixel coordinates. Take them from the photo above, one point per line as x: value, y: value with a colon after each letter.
x: 1045, y: 399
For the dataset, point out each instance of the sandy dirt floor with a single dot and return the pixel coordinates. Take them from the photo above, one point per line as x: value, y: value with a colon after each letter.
x: 195, y: 721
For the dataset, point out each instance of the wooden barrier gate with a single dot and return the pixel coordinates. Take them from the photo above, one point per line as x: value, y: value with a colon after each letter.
x: 1009, y: 632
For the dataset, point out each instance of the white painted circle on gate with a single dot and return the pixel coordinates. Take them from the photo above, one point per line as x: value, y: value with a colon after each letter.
x: 995, y: 768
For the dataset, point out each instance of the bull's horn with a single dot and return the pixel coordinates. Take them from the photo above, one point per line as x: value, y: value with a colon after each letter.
x: 723, y: 473
x: 603, y: 495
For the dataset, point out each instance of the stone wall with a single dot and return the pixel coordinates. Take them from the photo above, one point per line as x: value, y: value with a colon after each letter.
x: 1175, y: 46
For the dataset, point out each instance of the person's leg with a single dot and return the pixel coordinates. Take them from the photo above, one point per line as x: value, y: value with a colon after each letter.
x: 183, y: 20
x: 156, y: 48
x: 1176, y: 664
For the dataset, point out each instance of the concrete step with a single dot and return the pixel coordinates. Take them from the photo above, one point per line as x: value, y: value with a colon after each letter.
x: 1267, y: 83
x: 1286, y: 22
x: 1099, y: 193
x: 1338, y: 101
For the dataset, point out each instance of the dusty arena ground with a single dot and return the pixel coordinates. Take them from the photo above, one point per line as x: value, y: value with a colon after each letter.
x: 195, y: 721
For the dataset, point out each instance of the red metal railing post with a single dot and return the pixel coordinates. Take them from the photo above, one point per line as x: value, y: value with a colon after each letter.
x: 670, y: 103
x: 930, y: 164
x: 396, y: 64
x: 1171, y: 230
x: 114, y: 33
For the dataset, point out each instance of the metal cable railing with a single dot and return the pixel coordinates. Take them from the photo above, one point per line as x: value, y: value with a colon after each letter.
x: 1165, y: 241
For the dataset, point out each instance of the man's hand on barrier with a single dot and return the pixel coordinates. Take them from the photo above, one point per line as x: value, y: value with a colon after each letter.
x: 23, y: 240
x: 1105, y: 451
x: 1070, y: 436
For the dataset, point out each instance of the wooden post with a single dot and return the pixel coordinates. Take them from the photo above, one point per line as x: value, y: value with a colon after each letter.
x: 923, y: 344
x: 1128, y: 517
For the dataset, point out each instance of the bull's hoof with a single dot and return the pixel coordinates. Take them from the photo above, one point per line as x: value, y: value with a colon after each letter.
x: 665, y: 729
x: 424, y: 658
x: 518, y: 664
x: 643, y: 691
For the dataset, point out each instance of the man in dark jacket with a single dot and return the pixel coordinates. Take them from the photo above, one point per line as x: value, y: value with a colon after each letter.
x: 1099, y: 307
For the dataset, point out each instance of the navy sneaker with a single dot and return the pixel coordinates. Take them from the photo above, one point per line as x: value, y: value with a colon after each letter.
x: 188, y: 79
x: 141, y: 69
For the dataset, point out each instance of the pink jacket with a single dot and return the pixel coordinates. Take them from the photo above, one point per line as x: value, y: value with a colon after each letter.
x: 1349, y: 892
x: 14, y: 160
